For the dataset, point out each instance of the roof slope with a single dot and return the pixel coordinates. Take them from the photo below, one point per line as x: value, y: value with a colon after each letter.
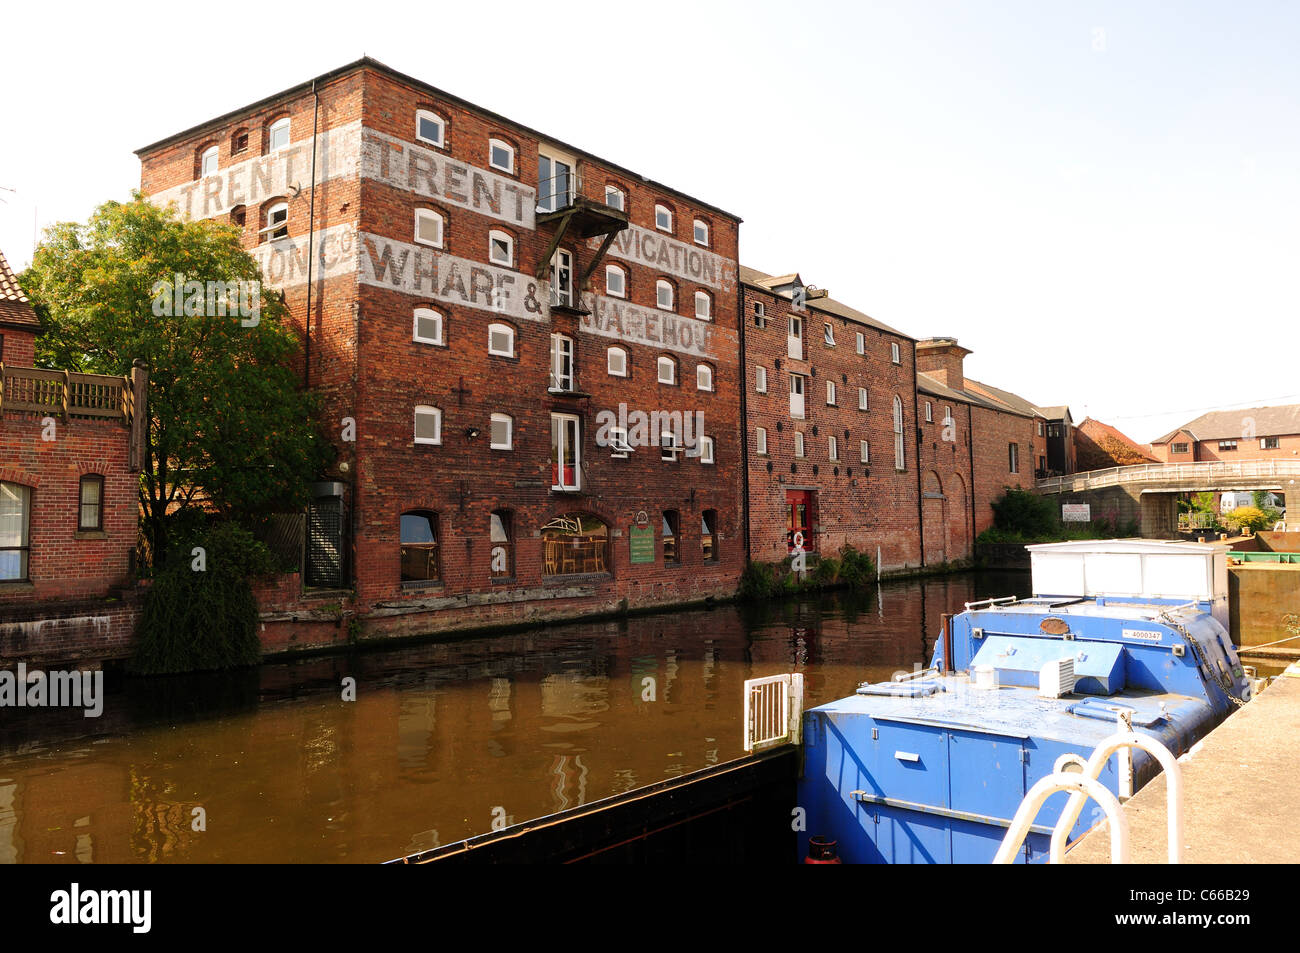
x: 1237, y: 424
x: 827, y: 305
x: 1099, y: 446
x: 15, y: 309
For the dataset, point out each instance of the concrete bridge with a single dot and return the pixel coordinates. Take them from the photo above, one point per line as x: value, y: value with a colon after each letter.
x: 1148, y: 493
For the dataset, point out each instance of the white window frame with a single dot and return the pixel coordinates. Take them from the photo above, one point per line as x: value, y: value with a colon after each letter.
x: 895, y: 355
x: 864, y: 402
x: 555, y: 200
x: 704, y: 369
x: 428, y: 410
x: 832, y: 448
x: 510, y: 432
x: 493, y: 144
x: 706, y: 450
x: 861, y: 343
x: 428, y: 214
x: 212, y: 152
x: 562, y: 265
x: 563, y: 419
x: 614, y: 190
x: 273, y: 227
x: 668, y: 449
x: 760, y: 379
x: 760, y: 440
x: 830, y: 393
x: 699, y: 224
x: 1013, y: 457
x: 705, y: 313
x: 801, y: 392
x: 441, y: 141
x: 671, y: 364
x: 661, y: 285
x: 828, y: 333
x: 760, y: 315
x: 900, y: 452
x: 667, y: 212
x: 798, y: 443
x: 621, y: 290
x: 619, y: 448
x: 794, y: 338
x: 609, y: 361
x: 562, y: 346
x: 496, y: 236
x: 279, y: 124
x: 929, y: 412
x: 864, y: 448
x: 428, y: 313
x: 492, y: 329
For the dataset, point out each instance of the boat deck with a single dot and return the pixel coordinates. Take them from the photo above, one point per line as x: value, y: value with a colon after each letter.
x: 1245, y: 770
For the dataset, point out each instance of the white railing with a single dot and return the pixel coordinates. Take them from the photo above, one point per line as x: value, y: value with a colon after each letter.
x: 1170, y: 472
x: 773, y: 710
x: 1084, y: 787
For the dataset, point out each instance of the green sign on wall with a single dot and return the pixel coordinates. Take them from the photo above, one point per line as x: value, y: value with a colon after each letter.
x: 642, y: 542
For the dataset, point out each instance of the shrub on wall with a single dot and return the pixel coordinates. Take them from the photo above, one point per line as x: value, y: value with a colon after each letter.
x: 200, y: 614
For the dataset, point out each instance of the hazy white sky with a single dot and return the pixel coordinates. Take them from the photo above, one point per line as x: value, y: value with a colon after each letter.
x: 1099, y: 199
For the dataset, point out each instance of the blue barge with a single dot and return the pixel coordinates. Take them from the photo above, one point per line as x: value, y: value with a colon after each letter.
x: 931, y: 767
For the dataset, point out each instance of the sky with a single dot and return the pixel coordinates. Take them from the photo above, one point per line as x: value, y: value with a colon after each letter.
x: 1098, y: 199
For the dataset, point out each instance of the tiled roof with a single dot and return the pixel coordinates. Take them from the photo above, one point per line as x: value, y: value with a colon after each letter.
x: 15, y: 309
x: 1100, y: 445
x: 932, y: 386
x: 1236, y: 424
x: 827, y: 305
x: 1009, y: 401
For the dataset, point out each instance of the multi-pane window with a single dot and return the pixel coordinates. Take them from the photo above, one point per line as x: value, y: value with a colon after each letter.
x: 796, y: 396
x: 555, y: 183
x: 615, y: 198
x: 501, y: 537
x: 701, y: 233
x: 575, y: 543
x: 1179, y: 448
x: 894, y: 354
x: 668, y: 448
x: 428, y: 227
x: 427, y: 326
x: 430, y: 128
x: 618, y: 445
x: 900, y: 459
x: 1268, y: 443
x: 709, y: 536
x: 501, y: 155
x: 794, y: 338
x: 615, y: 281
x: 663, y: 218
x: 828, y: 333
x: 760, y: 379
x: 760, y: 440
x: 864, y: 449
x: 862, y: 398
x: 501, y: 248
x: 670, y: 530
x: 562, y: 278
x: 90, y: 511
x: 15, y: 530
x: 502, y: 437
x: 561, y: 363
x: 565, y: 456
x: 704, y: 377
x: 832, y: 448
x: 703, y: 306
x: 667, y: 370
x: 830, y: 392
x: 501, y: 340
x: 664, y: 294
x: 1227, y: 445
x: 419, y: 536
x: 428, y: 424
x: 277, y: 221
x: 278, y: 135
x: 616, y: 362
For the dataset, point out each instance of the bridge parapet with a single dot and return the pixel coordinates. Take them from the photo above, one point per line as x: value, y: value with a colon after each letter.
x: 1212, y: 475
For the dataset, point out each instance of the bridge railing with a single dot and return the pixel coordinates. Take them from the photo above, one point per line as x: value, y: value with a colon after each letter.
x: 1207, y: 472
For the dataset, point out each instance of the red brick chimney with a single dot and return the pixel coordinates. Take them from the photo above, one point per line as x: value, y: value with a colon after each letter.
x: 941, y: 358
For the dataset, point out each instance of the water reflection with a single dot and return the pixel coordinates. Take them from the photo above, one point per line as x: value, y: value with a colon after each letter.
x: 443, y: 739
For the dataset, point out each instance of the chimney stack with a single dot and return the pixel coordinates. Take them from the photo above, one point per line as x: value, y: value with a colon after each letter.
x: 942, y: 358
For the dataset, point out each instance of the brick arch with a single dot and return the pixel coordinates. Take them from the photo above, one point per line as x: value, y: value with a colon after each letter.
x: 13, y: 475
x: 959, y: 541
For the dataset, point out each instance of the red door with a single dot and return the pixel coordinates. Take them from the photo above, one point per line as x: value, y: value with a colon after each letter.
x: 799, y: 518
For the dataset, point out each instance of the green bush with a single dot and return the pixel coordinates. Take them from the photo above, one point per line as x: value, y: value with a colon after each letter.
x: 1250, y: 517
x: 201, y: 620
x: 1026, y: 513
x: 826, y: 573
x: 758, y: 581
x: 857, y: 571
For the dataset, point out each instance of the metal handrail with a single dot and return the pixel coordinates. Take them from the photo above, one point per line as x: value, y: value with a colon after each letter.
x: 1155, y: 472
x: 1084, y: 787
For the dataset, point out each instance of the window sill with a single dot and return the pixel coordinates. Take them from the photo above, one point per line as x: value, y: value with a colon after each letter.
x: 504, y: 580
x: 422, y: 585
x: 569, y: 579
x: 90, y: 534
x: 16, y: 585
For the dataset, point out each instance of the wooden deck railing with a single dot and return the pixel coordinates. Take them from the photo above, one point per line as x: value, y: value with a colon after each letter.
x: 66, y: 393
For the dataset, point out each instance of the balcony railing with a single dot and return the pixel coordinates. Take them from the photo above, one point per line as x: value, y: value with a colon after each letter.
x: 1207, y: 472
x: 65, y: 394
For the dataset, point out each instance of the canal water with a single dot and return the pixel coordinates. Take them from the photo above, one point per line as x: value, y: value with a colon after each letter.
x: 443, y: 740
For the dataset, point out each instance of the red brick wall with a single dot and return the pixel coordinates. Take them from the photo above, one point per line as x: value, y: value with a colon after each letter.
x: 867, y: 506
x: 19, y: 348
x: 65, y: 563
x: 946, y: 465
x: 993, y: 432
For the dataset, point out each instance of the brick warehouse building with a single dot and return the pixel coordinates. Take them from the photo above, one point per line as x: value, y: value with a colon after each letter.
x: 479, y: 294
x: 70, y: 452
x: 830, y: 409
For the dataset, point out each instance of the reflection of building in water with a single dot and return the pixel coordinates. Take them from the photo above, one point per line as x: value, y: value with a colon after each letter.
x: 499, y: 700
x: 416, y: 721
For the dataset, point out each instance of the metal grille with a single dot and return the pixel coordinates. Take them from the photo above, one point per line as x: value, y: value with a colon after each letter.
x: 773, y: 710
x: 325, y: 543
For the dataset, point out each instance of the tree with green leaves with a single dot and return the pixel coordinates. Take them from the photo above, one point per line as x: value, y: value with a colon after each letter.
x: 231, y: 432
